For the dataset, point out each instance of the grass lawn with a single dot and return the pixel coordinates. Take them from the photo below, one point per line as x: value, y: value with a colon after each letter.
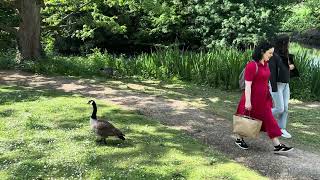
x: 46, y: 134
x: 304, y: 117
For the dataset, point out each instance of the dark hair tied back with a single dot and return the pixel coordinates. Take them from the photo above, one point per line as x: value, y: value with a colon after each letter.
x: 260, y: 50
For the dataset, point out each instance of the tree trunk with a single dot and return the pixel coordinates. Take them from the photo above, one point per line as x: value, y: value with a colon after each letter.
x: 29, y: 29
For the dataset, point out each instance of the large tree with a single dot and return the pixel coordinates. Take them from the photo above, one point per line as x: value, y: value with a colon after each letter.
x: 27, y: 28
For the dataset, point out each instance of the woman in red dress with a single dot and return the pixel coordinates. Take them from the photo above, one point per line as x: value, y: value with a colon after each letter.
x: 256, y: 100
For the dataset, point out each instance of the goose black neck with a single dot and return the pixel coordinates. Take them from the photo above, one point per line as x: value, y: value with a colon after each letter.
x: 94, y: 112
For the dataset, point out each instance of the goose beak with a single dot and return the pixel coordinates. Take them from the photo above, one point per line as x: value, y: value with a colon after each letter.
x: 91, y: 102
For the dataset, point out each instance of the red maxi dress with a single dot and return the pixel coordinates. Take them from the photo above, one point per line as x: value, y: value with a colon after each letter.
x: 261, y: 101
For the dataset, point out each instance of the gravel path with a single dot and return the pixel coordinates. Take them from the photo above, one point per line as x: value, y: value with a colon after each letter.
x: 209, y: 128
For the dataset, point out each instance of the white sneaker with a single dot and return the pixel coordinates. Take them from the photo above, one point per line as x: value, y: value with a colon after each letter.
x: 285, y: 133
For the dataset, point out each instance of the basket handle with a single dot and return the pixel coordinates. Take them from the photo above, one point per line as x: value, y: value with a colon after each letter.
x: 248, y: 117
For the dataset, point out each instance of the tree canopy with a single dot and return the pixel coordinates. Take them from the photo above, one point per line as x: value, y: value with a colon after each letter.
x: 71, y: 26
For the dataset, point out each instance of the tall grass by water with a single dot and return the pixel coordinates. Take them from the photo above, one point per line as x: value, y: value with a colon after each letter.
x: 218, y: 67
x: 307, y: 86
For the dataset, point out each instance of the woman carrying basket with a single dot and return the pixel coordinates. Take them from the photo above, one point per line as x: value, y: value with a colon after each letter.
x: 256, y: 100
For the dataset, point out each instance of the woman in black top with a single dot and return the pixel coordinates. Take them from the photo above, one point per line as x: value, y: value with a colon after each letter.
x: 280, y: 66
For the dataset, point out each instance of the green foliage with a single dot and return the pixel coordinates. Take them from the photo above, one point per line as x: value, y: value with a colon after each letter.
x: 71, y: 26
x: 296, y: 21
x: 228, y: 23
x: 314, y: 6
x: 73, y: 66
x: 80, y: 21
x: 307, y: 62
x: 303, y: 16
x: 219, y: 67
x: 85, y: 16
x: 8, y: 14
x: 7, y: 41
x: 8, y: 18
x: 7, y: 60
x: 315, y: 81
x: 79, y: 26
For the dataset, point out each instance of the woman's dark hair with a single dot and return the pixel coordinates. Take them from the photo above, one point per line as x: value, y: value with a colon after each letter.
x: 281, y: 45
x: 260, y: 50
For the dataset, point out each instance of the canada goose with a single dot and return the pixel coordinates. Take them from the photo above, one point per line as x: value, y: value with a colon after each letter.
x: 108, y: 71
x: 103, y: 128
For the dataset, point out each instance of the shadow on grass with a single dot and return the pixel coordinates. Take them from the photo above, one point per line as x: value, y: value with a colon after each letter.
x: 117, y: 143
x: 7, y: 113
x: 16, y: 94
x: 142, y: 156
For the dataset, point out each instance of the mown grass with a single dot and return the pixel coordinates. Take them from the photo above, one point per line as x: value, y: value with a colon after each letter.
x: 304, y: 118
x: 45, y: 134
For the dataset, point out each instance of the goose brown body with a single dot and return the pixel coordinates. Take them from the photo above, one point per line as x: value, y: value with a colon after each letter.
x: 103, y: 128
